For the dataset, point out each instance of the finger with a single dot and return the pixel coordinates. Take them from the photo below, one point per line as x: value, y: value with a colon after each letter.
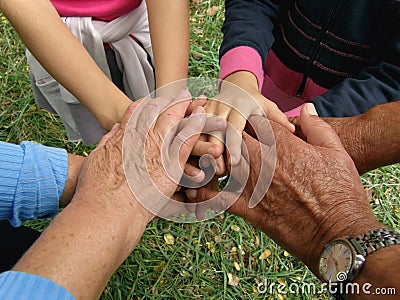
x: 193, y: 174
x: 201, y: 148
x: 217, y: 138
x: 261, y: 130
x: 317, y: 131
x: 200, y: 101
x: 220, y: 201
x: 173, y: 113
x: 272, y: 112
x: 213, y: 123
x: 185, y: 140
x: 237, y: 122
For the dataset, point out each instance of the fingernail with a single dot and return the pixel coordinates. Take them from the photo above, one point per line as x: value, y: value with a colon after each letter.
x: 198, y: 110
x: 191, y: 193
x: 212, y: 151
x: 311, y: 109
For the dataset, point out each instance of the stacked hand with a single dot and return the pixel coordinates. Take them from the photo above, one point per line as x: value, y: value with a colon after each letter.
x: 314, y: 193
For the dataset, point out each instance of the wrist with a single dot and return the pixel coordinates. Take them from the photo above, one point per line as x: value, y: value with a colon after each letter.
x: 119, y: 208
x: 243, y: 79
x: 74, y: 167
x: 346, y: 226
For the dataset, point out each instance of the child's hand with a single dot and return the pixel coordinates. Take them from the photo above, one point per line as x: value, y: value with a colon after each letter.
x: 239, y: 99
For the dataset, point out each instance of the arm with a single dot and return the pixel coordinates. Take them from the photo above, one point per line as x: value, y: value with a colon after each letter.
x: 371, y: 139
x: 105, y: 220
x: 247, y: 37
x: 169, y: 30
x: 317, y: 185
x: 64, y: 57
x: 74, y: 166
x: 374, y: 85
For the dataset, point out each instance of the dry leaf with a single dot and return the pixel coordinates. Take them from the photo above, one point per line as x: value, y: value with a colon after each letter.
x: 265, y: 254
x: 218, y: 239
x: 282, y: 281
x: 196, y: 56
x: 237, y: 266
x: 235, y: 228
x: 169, y: 239
x: 213, y: 10
x: 233, y: 280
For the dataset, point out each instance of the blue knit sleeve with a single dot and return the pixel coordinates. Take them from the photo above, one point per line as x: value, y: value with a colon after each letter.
x: 19, y: 285
x: 32, y: 179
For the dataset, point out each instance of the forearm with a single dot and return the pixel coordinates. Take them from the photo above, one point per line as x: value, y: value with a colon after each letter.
x: 380, y: 275
x: 65, y: 58
x: 169, y: 30
x: 371, y: 139
x: 86, y: 233
x: 243, y: 79
x: 74, y: 166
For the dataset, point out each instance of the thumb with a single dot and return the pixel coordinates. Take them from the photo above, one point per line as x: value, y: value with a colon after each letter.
x: 317, y: 131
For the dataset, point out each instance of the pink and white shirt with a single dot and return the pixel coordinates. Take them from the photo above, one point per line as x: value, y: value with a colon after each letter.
x: 105, y: 10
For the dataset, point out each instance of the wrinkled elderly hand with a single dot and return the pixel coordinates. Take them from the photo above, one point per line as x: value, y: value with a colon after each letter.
x: 146, y: 154
x: 315, y: 196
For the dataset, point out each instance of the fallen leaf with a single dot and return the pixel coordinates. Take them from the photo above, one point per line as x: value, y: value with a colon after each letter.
x: 213, y: 10
x: 169, y: 239
x: 237, y: 266
x: 235, y: 228
x: 233, y: 280
x: 265, y: 254
x: 196, y: 56
x: 218, y: 239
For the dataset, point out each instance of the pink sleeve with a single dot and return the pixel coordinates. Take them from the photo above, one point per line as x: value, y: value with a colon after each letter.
x: 295, y: 112
x: 242, y: 58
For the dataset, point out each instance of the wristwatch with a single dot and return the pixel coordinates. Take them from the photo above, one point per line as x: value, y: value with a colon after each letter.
x: 343, y: 258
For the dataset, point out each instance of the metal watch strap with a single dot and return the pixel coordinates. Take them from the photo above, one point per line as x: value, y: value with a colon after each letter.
x: 370, y: 242
x: 374, y: 240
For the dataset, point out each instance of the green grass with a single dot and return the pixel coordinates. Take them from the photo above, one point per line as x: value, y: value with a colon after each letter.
x: 197, y: 265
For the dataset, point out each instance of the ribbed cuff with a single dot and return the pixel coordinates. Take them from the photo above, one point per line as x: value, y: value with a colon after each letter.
x: 242, y: 58
x: 19, y: 285
x: 41, y: 182
x: 32, y: 181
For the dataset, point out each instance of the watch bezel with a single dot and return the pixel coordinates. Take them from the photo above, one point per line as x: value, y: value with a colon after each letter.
x: 349, y: 272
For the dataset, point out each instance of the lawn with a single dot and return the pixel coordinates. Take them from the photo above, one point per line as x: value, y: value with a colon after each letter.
x: 223, y: 258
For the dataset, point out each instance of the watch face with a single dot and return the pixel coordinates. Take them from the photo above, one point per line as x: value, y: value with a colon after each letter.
x: 336, y: 261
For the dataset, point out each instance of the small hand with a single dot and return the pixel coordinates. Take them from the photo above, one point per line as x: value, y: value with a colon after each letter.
x: 239, y: 99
